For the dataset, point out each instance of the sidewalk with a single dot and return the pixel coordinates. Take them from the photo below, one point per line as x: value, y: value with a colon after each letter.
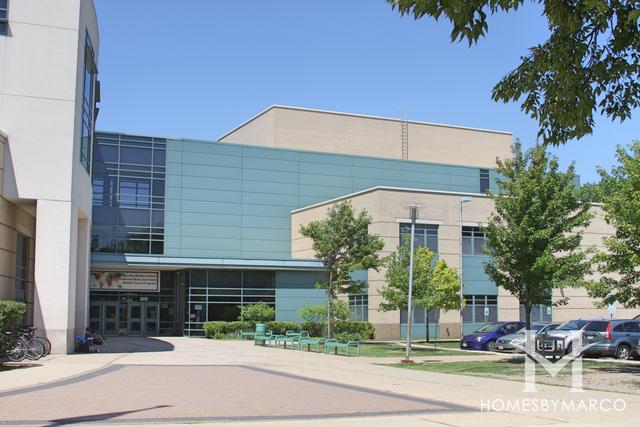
x: 348, y: 372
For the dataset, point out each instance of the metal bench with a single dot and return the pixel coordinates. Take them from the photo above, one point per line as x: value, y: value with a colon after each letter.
x: 263, y: 339
x: 335, y: 345
x: 242, y: 334
x: 318, y: 342
x: 292, y: 337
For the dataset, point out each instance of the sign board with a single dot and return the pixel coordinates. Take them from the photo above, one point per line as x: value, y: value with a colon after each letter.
x: 140, y: 281
x: 548, y: 310
x: 486, y: 312
x: 612, y: 309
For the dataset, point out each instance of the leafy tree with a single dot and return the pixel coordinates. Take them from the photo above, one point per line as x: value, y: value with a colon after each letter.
x: 622, y: 210
x: 260, y: 312
x: 536, y: 229
x: 318, y: 313
x: 435, y: 284
x: 343, y: 243
x: 590, y: 62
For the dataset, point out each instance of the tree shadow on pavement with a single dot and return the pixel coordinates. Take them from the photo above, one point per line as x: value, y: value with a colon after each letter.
x: 98, y: 417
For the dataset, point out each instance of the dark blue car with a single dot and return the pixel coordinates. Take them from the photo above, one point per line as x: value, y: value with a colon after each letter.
x: 485, y: 338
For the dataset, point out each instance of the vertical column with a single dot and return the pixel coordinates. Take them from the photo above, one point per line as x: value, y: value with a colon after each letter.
x: 54, y: 299
x: 82, y: 276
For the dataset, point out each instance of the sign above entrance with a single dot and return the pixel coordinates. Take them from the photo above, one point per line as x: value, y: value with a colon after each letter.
x: 140, y: 281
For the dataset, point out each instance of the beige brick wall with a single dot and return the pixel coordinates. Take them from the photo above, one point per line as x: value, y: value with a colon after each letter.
x: 330, y: 132
x: 388, y: 206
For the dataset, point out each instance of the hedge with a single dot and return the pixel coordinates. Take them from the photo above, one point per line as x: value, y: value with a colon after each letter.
x: 343, y: 330
x: 10, y: 313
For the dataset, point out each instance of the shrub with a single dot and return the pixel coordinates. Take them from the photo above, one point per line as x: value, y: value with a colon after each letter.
x: 10, y: 313
x: 315, y: 329
x: 219, y: 329
x: 318, y: 312
x: 257, y: 313
x: 281, y: 328
x: 353, y: 331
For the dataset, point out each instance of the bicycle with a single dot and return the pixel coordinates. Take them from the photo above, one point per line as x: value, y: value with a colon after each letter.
x: 26, y: 347
x: 45, y: 342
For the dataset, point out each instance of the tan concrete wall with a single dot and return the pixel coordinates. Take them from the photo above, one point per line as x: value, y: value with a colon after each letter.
x: 14, y: 220
x: 329, y: 132
x: 387, y: 206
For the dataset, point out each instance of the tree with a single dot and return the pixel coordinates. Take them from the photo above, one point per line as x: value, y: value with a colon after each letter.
x: 590, y: 62
x: 622, y: 210
x: 318, y: 313
x: 535, y: 232
x: 435, y: 284
x: 256, y: 313
x: 343, y: 243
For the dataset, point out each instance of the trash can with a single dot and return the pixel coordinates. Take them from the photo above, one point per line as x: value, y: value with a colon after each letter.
x: 260, y: 330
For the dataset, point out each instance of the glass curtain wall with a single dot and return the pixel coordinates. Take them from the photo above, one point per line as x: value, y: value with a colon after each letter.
x: 216, y: 295
x: 128, y: 194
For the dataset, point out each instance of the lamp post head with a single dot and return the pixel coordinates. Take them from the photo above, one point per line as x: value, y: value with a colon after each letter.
x: 465, y: 199
x: 413, y: 210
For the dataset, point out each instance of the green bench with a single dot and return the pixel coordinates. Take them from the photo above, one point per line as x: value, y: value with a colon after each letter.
x: 264, y: 338
x: 290, y: 337
x: 318, y: 342
x: 242, y: 334
x: 335, y: 345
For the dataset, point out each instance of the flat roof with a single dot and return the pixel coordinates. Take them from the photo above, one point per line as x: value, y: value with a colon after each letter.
x: 365, y: 116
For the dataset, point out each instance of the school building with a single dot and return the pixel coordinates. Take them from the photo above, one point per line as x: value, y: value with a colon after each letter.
x: 146, y: 235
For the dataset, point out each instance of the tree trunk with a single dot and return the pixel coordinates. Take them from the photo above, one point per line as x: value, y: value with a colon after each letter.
x: 330, y: 307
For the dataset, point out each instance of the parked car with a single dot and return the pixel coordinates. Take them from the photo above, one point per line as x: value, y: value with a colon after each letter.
x: 485, y: 338
x: 637, y: 317
x: 508, y: 343
x: 566, y: 334
x: 614, y: 338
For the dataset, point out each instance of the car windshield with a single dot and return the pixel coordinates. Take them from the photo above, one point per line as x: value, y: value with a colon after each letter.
x: 533, y: 328
x: 572, y: 325
x: 489, y: 327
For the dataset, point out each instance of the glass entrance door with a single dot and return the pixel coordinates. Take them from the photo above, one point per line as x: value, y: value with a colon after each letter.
x: 135, y: 319
x: 95, y: 318
x: 151, y: 318
x: 110, y: 318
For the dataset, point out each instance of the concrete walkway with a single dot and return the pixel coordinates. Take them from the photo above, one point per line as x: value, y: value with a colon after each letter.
x: 182, y: 380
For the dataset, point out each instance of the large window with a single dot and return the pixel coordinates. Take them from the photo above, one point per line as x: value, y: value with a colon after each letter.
x: 359, y: 306
x: 426, y: 235
x: 128, y: 194
x: 23, y: 291
x: 473, y: 241
x: 4, y: 18
x: 484, y: 180
x: 216, y: 295
x: 480, y: 309
x: 419, y: 315
x: 539, y: 313
x: 88, y: 104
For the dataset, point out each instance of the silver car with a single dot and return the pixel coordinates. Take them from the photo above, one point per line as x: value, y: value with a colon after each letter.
x: 566, y: 334
x: 509, y: 343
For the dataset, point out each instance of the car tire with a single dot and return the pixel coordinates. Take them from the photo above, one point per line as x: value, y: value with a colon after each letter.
x: 490, y: 345
x: 623, y: 352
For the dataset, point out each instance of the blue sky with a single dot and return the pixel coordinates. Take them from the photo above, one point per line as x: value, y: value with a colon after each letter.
x: 197, y: 68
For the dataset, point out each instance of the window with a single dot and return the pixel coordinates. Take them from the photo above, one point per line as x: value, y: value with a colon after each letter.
x: 359, y: 306
x: 597, y: 326
x: 484, y: 180
x: 420, y: 315
x: 480, y: 309
x: 88, y: 104
x: 426, y: 235
x: 128, y: 194
x: 473, y: 241
x: 4, y: 18
x: 22, y: 288
x: 540, y: 313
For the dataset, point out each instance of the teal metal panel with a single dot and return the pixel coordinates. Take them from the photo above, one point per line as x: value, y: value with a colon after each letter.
x: 269, y: 153
x: 326, y: 169
x: 270, y: 164
x: 267, y: 246
x: 268, y: 222
x: 475, y: 280
x: 211, y: 231
x: 208, y: 183
x: 205, y: 159
x: 328, y: 192
x: 211, y: 195
x: 269, y: 176
x: 270, y: 187
x: 335, y: 159
x: 290, y: 301
x: 211, y: 219
x: 201, y: 206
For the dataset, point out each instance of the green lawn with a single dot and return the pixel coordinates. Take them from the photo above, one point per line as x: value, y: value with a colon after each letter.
x: 395, y: 350
x: 440, y: 344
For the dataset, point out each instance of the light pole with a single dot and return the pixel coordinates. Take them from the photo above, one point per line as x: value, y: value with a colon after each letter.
x: 462, y: 201
x: 413, y: 211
